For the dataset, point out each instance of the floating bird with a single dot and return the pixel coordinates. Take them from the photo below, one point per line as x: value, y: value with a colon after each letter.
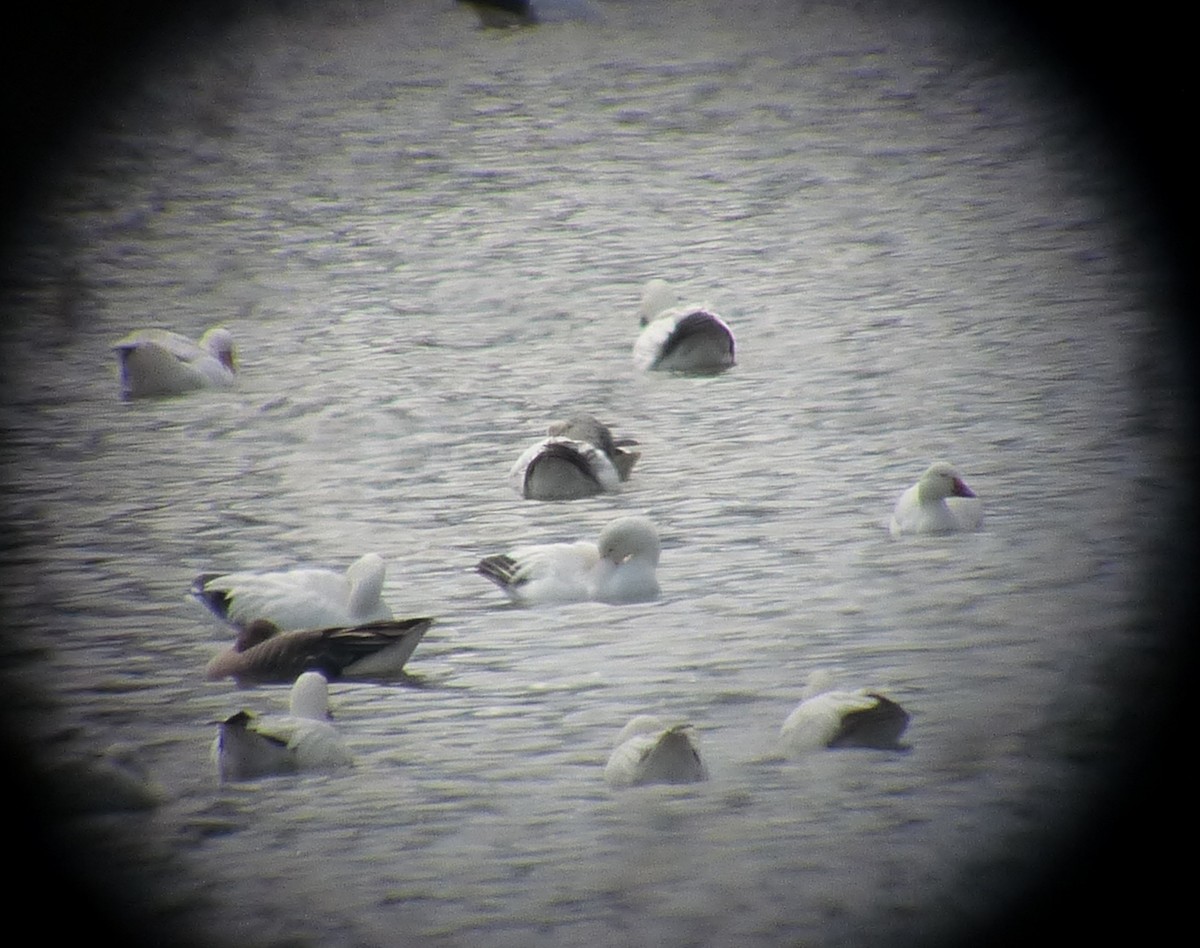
x: 159, y: 362
x: 618, y: 568
x: 689, y: 338
x: 249, y: 746
x: 507, y: 13
x: 589, y: 428
x: 498, y: 14
x: 113, y: 780
x: 831, y: 718
x: 580, y: 458
x: 649, y: 751
x: 304, y: 598
x: 940, y: 502
x: 376, y: 650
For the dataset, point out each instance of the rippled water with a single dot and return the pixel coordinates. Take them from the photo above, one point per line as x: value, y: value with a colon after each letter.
x: 429, y: 240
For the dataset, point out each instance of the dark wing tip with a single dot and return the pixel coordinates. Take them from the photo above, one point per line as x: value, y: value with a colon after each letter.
x: 878, y: 726
x: 398, y: 626
x: 216, y: 600
x: 500, y: 568
x: 201, y: 581
x: 239, y: 719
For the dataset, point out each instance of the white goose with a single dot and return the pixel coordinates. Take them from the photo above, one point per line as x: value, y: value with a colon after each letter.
x: 304, y: 598
x: 830, y: 718
x: 368, y: 652
x: 940, y: 502
x: 649, y: 751
x: 580, y: 458
x: 618, y: 568
x: 159, y: 362
x: 674, y: 338
x: 248, y: 746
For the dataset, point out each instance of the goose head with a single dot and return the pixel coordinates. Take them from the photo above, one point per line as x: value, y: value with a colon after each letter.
x: 940, y: 481
x: 629, y: 538
x: 657, y: 296
x: 310, y: 697
x: 254, y: 633
x: 366, y: 575
x: 219, y: 342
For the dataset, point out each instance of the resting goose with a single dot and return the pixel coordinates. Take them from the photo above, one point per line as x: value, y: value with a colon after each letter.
x: 940, y: 502
x: 159, y: 362
x: 249, y: 746
x: 649, y: 751
x: 372, y: 651
x: 507, y: 13
x: 580, y: 458
x: 304, y: 598
x: 113, y: 780
x: 831, y: 718
x: 618, y: 568
x: 690, y: 339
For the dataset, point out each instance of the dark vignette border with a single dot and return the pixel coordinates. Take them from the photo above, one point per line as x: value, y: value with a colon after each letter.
x: 1132, y: 65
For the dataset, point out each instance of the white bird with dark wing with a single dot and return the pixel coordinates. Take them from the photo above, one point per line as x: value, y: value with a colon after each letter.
x: 650, y: 751
x: 618, y: 568
x: 827, y: 717
x: 940, y: 502
x: 689, y: 339
x: 159, y: 362
x: 303, y: 598
x: 579, y: 458
x: 249, y: 746
x: 370, y: 652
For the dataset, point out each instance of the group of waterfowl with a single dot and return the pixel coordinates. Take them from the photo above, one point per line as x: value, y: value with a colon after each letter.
x: 650, y: 750
x: 308, y: 626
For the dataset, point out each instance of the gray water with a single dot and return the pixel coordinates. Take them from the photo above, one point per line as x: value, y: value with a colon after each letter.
x: 429, y: 240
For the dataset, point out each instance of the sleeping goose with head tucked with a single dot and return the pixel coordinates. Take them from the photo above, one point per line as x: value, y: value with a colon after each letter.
x: 827, y: 717
x: 579, y: 458
x: 617, y: 568
x: 159, y: 362
x: 689, y: 339
x: 650, y: 751
x: 496, y: 14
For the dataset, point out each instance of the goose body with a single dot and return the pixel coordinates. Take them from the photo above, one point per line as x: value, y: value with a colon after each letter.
x: 689, y: 338
x: 649, y: 751
x: 303, y: 598
x: 835, y: 718
x: 114, y: 780
x: 155, y: 362
x: 249, y: 746
x: 940, y: 502
x: 508, y: 13
x: 618, y: 568
x: 579, y: 458
x: 262, y: 653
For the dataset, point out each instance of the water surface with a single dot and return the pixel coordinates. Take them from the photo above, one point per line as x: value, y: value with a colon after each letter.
x: 429, y: 240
